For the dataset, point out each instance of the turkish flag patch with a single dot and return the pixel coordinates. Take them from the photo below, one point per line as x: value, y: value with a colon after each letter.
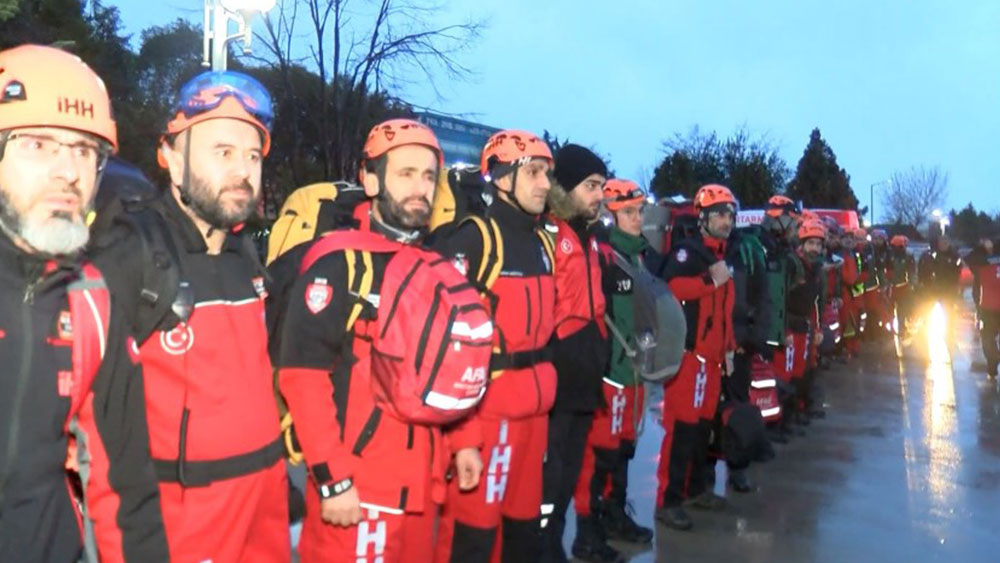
x: 318, y: 295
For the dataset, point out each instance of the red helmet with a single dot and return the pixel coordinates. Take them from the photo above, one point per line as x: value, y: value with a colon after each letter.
x: 900, y: 241
x: 396, y: 133
x: 713, y: 194
x: 622, y: 193
x: 811, y: 229
x: 779, y: 205
x: 512, y: 146
x: 860, y: 234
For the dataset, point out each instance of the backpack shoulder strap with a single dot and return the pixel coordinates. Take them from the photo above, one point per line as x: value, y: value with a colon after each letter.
x: 160, y: 270
x: 548, y: 246
x: 492, y: 263
x: 90, y: 314
x: 357, y: 247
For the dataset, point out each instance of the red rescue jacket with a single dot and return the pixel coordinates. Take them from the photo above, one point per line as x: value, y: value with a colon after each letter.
x: 709, y: 309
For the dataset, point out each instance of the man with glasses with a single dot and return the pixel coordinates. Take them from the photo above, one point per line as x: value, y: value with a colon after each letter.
x: 73, y: 440
x: 195, y: 290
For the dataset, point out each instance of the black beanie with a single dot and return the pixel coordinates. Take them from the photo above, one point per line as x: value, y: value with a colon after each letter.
x: 574, y: 163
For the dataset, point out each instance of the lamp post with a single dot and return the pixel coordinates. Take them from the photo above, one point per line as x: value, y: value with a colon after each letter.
x: 216, y: 36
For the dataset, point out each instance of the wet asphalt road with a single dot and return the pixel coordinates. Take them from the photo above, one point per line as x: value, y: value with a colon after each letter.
x: 906, y: 467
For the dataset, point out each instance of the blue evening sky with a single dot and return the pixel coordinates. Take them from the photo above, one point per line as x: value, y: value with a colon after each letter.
x: 890, y: 83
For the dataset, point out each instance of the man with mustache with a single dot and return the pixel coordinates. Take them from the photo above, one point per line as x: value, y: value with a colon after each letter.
x: 509, y: 258
x: 580, y: 348
x: 199, y: 333
x: 375, y: 479
x: 73, y: 440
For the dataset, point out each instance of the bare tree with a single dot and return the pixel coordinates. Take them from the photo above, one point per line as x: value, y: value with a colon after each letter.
x: 913, y: 194
x: 366, y: 53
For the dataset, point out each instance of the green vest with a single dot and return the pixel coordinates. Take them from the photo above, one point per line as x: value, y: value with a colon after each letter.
x: 631, y: 247
x: 777, y: 287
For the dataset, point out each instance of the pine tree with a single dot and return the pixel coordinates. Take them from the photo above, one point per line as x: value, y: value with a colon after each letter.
x: 819, y: 181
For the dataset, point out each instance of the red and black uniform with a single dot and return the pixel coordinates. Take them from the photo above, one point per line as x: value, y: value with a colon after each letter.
x: 324, y: 373
x: 611, y: 442
x: 985, y: 268
x: 690, y: 399
x: 510, y: 426
x: 213, y: 421
x: 580, y: 356
x: 60, y: 413
x: 804, y: 297
x: 852, y: 293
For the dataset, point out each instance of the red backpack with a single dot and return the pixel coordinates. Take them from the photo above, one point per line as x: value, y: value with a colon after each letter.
x: 432, y: 337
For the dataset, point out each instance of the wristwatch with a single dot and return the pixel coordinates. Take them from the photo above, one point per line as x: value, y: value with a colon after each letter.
x: 331, y: 490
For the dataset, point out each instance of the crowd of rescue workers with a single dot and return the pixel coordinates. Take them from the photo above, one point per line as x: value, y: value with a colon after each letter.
x: 454, y: 356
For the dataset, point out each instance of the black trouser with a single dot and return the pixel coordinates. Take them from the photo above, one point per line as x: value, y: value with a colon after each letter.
x: 989, y: 333
x: 619, y: 477
x: 736, y: 387
x: 563, y: 459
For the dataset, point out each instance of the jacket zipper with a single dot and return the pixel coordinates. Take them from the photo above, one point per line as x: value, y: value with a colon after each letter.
x: 527, y: 322
x: 590, y: 287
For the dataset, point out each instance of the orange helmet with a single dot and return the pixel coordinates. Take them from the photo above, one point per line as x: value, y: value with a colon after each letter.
x: 396, y: 133
x: 622, y: 193
x: 222, y: 94
x: 713, y: 194
x: 48, y: 87
x: 860, y: 234
x: 779, y: 205
x: 808, y: 215
x: 513, y: 146
x: 900, y: 241
x: 811, y: 229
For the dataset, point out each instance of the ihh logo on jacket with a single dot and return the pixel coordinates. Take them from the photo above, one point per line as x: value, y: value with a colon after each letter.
x: 617, y: 413
x: 496, y: 478
x: 371, y: 533
x: 700, y: 385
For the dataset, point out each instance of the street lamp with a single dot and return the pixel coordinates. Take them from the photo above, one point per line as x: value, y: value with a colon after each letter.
x: 216, y: 35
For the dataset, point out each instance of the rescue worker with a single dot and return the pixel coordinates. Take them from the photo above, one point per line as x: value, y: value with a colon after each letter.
x: 899, y: 275
x: 877, y: 298
x: 851, y: 314
x: 501, y: 519
x: 984, y: 262
x: 67, y: 420
x: 701, y: 279
x: 778, y: 232
x: 751, y: 317
x: 601, y: 490
x: 194, y: 289
x: 833, y: 266
x: 939, y: 269
x: 580, y: 347
x: 356, y: 452
x: 804, y: 306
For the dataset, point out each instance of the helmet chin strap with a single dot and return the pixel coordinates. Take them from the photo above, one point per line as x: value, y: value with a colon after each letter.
x: 186, y: 180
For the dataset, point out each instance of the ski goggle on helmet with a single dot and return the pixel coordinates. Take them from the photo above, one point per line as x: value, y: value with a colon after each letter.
x: 222, y: 95
x: 208, y: 90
